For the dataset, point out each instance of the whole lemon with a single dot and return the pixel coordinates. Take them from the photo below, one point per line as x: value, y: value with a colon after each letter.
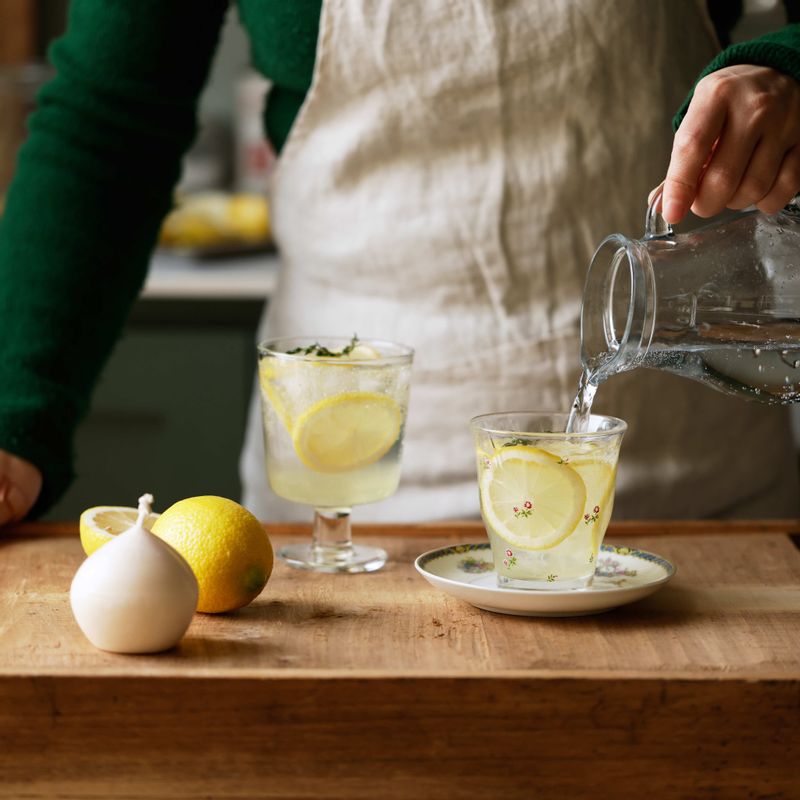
x: 225, y: 545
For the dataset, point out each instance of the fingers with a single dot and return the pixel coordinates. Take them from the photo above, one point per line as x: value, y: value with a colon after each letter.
x: 20, y: 485
x: 691, y: 149
x: 723, y: 173
x: 6, y: 511
x: 757, y: 180
x: 785, y: 186
x: 13, y: 504
x: 736, y: 145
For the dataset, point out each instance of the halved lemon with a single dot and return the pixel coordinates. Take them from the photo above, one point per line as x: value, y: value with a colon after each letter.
x: 100, y: 524
x: 531, y: 498
x: 347, y: 431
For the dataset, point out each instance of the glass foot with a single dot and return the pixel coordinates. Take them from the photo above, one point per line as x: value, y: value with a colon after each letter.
x: 353, y: 558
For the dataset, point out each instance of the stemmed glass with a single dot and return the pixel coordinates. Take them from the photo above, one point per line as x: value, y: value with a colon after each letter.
x: 334, y: 414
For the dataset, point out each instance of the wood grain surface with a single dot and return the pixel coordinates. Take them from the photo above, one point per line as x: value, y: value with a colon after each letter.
x: 380, y: 686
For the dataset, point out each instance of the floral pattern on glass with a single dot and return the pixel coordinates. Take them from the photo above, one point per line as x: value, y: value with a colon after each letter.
x: 590, y: 519
x: 525, y: 510
x: 510, y: 559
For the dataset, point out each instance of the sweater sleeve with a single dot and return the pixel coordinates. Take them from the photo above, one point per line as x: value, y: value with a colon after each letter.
x: 93, y: 182
x: 778, y: 49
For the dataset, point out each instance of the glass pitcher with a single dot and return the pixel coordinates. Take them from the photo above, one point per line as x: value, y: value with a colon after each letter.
x: 720, y: 304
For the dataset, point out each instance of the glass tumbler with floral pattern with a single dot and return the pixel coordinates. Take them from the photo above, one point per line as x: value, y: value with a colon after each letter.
x: 546, y: 495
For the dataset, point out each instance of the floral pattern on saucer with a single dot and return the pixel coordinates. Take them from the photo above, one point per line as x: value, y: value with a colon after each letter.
x: 475, y: 565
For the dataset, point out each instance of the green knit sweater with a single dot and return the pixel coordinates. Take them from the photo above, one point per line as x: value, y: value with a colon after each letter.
x: 95, y: 179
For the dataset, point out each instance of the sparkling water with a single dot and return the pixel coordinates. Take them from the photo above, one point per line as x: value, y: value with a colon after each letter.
x: 758, y: 362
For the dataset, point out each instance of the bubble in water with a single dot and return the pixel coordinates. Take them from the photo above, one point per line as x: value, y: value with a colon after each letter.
x: 760, y: 367
x: 796, y: 363
x: 784, y: 352
x: 756, y: 352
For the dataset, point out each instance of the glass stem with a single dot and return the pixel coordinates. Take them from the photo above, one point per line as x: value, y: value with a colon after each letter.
x: 331, y: 537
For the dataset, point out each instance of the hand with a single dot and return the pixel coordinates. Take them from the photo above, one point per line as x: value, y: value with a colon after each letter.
x: 20, y: 484
x: 738, y: 145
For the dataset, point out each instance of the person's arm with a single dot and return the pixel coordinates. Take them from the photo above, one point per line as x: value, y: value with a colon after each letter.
x: 737, y: 141
x: 93, y: 182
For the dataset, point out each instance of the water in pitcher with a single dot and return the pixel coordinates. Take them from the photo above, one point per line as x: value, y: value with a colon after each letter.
x: 719, y: 304
x: 757, y: 362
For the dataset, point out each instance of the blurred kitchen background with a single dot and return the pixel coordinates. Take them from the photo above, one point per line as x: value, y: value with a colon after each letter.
x: 169, y: 413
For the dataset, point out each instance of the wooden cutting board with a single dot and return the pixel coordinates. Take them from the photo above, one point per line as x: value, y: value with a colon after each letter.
x: 373, y: 686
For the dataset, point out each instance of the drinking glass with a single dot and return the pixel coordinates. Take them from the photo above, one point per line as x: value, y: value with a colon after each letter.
x: 546, y: 495
x: 334, y: 413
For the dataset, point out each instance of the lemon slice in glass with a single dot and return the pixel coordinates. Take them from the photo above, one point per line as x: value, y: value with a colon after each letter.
x: 271, y: 375
x: 100, y: 524
x: 598, y: 477
x: 347, y: 431
x: 530, y: 498
x: 363, y: 352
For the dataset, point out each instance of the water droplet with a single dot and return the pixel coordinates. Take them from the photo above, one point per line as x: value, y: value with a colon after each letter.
x: 784, y: 352
x: 756, y: 352
x: 796, y: 363
x: 760, y: 367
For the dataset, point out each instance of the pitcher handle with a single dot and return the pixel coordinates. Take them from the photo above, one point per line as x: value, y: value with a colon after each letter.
x: 655, y: 226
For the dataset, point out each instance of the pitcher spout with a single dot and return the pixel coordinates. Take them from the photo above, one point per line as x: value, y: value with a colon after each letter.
x: 618, y: 313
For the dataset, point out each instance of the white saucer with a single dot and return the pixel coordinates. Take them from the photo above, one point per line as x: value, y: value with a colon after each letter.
x: 623, y: 575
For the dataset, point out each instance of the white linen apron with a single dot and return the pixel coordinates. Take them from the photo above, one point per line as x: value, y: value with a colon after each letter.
x: 445, y: 184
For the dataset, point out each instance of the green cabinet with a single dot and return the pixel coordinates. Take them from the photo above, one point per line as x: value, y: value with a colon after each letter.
x: 168, y: 415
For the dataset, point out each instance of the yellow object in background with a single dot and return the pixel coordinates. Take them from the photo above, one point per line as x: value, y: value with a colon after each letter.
x: 213, y: 219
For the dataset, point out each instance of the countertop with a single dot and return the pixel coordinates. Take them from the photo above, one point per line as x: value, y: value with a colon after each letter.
x: 179, y: 277
x: 364, y: 686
